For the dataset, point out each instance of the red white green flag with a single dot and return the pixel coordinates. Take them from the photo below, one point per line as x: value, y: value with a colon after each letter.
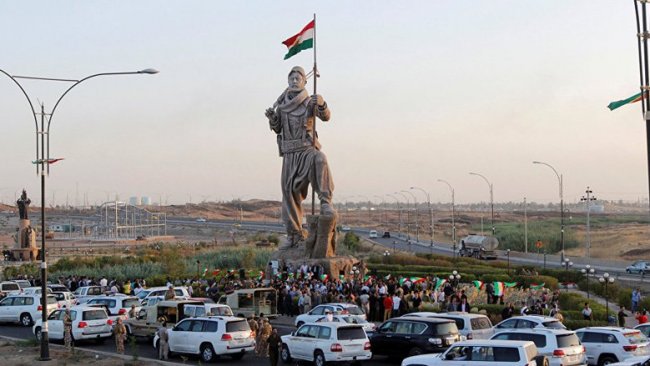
x: 534, y: 286
x: 301, y: 41
x: 510, y: 284
x: 439, y: 283
x: 498, y: 288
x: 619, y: 103
x: 478, y: 284
x: 261, y: 275
x: 324, y: 277
x: 416, y: 280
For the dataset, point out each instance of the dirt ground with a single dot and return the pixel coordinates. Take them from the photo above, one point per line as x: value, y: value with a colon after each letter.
x: 26, y: 353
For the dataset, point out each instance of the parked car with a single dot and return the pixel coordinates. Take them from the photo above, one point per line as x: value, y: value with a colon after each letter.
x: 87, y: 323
x: 211, y: 337
x: 561, y: 347
x: 644, y: 328
x: 641, y: 267
x: 530, y: 321
x: 409, y: 335
x: 34, y: 290
x: 9, y: 288
x: 65, y: 299
x: 605, y: 345
x: 24, y: 308
x: 367, y: 326
x: 197, y: 311
x: 151, y: 301
x: 116, y: 305
x: 633, y: 361
x: 472, y: 326
x: 326, y: 343
x: 336, y: 308
x: 179, y: 291
x: 23, y: 283
x: 249, y: 302
x: 85, y: 293
x: 58, y: 288
x: 480, y: 352
x: 148, y: 320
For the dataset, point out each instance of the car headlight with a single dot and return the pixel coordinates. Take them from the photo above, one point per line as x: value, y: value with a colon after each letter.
x: 436, y: 341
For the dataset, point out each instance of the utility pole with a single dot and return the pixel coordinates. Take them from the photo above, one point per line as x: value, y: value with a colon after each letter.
x: 525, y: 226
x: 588, y: 198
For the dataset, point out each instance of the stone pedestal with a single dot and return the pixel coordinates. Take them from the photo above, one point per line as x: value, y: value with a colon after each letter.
x: 26, y: 248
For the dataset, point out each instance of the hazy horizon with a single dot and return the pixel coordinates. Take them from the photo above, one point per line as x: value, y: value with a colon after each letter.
x: 419, y: 91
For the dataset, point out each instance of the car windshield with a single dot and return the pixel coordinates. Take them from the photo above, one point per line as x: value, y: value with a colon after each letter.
x: 142, y: 294
x: 221, y: 310
x: 126, y: 303
x: 237, y: 326
x: 354, y: 310
x: 350, y: 333
x: 554, y: 324
x: 94, y: 315
x: 568, y: 340
x: 481, y: 323
x: 51, y: 299
x: 446, y: 328
x: 10, y: 287
x: 635, y: 337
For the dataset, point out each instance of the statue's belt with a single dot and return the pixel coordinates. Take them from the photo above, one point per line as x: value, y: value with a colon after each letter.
x: 289, y: 146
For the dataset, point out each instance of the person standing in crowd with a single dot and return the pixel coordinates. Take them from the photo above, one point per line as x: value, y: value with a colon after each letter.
x: 586, y: 312
x: 119, y: 331
x: 416, y: 300
x: 169, y: 294
x: 621, y: 316
x: 636, y: 299
x: 508, y: 311
x: 274, y: 342
x: 265, y: 333
x: 642, y: 316
x: 132, y: 312
x: 388, y: 307
x: 163, y: 347
x: 306, y: 301
x: 396, y: 303
x: 252, y: 323
x: 364, y: 299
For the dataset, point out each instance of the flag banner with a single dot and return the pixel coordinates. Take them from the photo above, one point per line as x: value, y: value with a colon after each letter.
x: 498, y: 288
x: 478, y: 284
x: 439, y: 283
x: 261, y: 275
x: 324, y: 277
x: 46, y: 161
x: 402, y: 280
x: 341, y: 277
x: 534, y: 286
x: 619, y: 103
x: 416, y: 280
x: 205, y: 271
x: 366, y: 278
x: 215, y: 272
x: 387, y: 277
x: 301, y: 41
x: 510, y: 284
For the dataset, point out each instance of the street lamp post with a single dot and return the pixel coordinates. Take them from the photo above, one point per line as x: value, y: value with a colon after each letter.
x: 508, y: 253
x: 408, y: 217
x: 430, y: 213
x: 383, y: 209
x: 588, y: 198
x: 417, y: 224
x: 587, y: 271
x: 454, y: 278
x: 386, y: 255
x: 606, y: 279
x: 399, y: 214
x: 42, y: 163
x: 491, y: 200
x: 567, y: 264
x: 561, y: 184
x: 453, y: 214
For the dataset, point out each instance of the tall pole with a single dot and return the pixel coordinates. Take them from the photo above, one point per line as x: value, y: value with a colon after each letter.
x: 43, y: 167
x: 525, y: 226
x: 408, y: 216
x: 643, y: 71
x: 399, y: 214
x: 453, y: 213
x: 430, y: 213
x: 588, y: 198
x: 383, y: 208
x: 561, y: 184
x: 417, y: 224
x: 491, y: 200
x: 313, y: 140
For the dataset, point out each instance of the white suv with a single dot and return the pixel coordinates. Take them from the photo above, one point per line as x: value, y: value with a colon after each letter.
x: 211, y: 337
x: 87, y: 323
x: 336, y: 308
x: 116, y: 305
x: 472, y: 326
x: 529, y: 321
x: 9, y: 288
x: 607, y: 345
x: 180, y: 292
x: 24, y: 309
x: 561, y: 347
x: 326, y: 342
x: 481, y: 352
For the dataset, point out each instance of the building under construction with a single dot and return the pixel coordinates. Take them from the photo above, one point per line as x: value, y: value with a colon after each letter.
x: 120, y: 220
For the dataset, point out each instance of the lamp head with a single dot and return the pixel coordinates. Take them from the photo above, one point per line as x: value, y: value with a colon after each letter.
x: 150, y: 71
x: 611, y: 280
x: 601, y: 280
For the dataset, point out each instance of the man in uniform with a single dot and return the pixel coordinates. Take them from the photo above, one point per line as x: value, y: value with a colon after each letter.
x: 292, y: 118
x: 274, y: 342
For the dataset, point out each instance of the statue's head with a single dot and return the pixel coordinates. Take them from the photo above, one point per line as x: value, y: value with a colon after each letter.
x: 297, y: 79
x: 24, y: 194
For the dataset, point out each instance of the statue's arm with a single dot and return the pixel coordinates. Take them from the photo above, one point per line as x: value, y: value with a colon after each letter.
x: 274, y: 120
x: 322, y: 111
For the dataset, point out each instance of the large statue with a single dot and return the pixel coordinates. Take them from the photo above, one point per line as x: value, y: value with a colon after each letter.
x: 292, y: 119
x: 23, y: 206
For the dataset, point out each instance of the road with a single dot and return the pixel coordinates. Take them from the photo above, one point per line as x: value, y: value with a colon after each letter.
x: 144, y: 349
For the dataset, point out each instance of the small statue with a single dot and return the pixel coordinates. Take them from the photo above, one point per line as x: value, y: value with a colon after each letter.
x: 23, y: 206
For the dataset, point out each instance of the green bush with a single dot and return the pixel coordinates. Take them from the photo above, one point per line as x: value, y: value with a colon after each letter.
x: 351, y: 241
x: 577, y: 324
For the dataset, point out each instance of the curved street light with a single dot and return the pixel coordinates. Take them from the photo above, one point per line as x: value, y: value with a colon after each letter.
x: 417, y: 224
x: 560, y: 183
x: 399, y: 214
x: 408, y: 217
x: 42, y: 163
x: 453, y: 214
x: 430, y: 212
x: 491, y: 199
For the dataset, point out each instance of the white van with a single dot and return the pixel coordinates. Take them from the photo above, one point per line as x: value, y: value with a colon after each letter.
x: 372, y: 234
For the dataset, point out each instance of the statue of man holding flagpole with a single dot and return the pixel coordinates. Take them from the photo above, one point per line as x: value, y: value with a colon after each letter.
x: 292, y: 118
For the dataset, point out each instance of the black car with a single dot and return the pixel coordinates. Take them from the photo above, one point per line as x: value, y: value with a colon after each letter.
x: 386, y: 234
x: 410, y: 336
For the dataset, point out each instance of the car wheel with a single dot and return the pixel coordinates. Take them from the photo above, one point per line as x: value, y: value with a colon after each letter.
x: 319, y: 359
x: 285, y: 355
x: 606, y: 360
x: 237, y: 356
x: 26, y: 320
x: 417, y: 351
x: 207, y: 353
x: 541, y: 361
x: 38, y: 334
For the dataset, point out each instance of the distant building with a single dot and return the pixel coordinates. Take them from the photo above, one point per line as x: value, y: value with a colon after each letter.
x: 146, y: 201
x: 134, y: 201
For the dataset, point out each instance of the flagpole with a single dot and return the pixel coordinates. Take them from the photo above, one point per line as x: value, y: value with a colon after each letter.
x: 644, y: 73
x: 313, y: 140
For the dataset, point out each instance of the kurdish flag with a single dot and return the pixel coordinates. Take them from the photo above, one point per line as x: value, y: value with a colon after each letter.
x: 499, y: 288
x: 301, y: 41
x: 534, y: 286
x: 215, y: 272
x: 619, y: 103
x: 478, y: 284
x: 439, y: 283
x: 324, y: 277
x: 417, y: 280
x: 510, y: 284
x: 261, y: 275
x: 205, y: 271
